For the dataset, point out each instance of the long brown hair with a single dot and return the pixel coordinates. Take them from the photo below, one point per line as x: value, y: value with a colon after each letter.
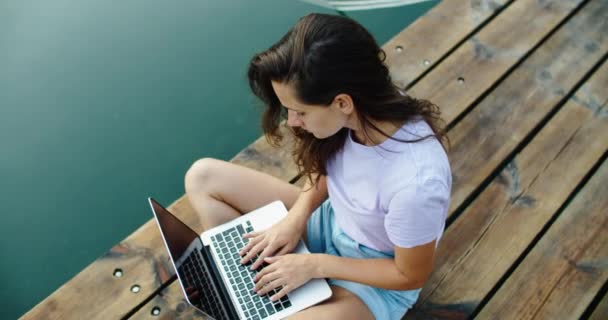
x: 322, y: 56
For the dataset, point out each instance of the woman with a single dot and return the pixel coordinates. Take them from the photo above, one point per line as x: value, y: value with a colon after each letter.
x: 378, y: 179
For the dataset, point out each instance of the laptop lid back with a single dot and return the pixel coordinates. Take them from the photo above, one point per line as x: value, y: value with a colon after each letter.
x: 176, y: 234
x: 177, y: 237
x: 180, y: 240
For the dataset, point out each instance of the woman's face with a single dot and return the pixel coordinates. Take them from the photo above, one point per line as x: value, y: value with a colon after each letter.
x: 320, y: 121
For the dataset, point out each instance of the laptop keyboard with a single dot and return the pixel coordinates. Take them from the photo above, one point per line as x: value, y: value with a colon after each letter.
x: 228, y: 244
x: 194, y: 275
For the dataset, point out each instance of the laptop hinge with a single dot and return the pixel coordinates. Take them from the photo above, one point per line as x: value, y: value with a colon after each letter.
x: 219, y: 284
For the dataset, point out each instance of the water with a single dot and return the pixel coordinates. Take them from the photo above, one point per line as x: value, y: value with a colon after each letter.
x: 103, y: 104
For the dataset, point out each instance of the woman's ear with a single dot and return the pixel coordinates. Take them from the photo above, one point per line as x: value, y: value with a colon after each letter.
x: 344, y: 103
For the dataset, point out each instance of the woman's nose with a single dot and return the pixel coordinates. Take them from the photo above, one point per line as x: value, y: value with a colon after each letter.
x: 292, y: 119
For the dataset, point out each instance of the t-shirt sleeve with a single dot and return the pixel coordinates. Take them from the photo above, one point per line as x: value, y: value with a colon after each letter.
x: 416, y: 214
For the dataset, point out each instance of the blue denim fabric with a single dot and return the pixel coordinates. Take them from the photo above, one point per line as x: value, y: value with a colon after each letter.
x: 324, y: 236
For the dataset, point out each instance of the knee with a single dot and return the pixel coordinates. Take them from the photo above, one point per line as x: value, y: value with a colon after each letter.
x: 200, y: 174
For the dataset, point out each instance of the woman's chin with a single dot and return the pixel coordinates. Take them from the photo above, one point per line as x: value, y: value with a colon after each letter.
x: 319, y: 136
x: 315, y: 134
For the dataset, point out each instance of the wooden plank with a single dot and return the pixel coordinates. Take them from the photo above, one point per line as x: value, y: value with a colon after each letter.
x: 485, y: 57
x: 601, y: 310
x: 480, y: 246
x: 263, y: 157
x: 169, y: 304
x: 481, y: 62
x: 420, y: 46
x: 566, y: 269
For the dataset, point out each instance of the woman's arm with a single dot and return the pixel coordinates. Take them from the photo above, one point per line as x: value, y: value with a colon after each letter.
x: 283, y: 236
x: 311, y: 197
x: 409, y: 269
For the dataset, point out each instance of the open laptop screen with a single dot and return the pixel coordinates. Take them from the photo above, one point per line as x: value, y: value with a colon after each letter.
x: 198, y: 285
x: 177, y: 235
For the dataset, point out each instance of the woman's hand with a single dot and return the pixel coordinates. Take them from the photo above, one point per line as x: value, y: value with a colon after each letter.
x: 277, y: 240
x: 289, y: 271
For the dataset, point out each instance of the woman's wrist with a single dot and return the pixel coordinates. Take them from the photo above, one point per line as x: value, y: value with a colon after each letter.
x: 316, y: 263
x: 297, y: 219
x: 299, y: 214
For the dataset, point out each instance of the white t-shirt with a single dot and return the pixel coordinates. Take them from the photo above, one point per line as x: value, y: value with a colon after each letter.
x: 384, y: 199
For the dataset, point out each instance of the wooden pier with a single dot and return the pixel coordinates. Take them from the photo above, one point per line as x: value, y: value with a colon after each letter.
x: 523, y: 86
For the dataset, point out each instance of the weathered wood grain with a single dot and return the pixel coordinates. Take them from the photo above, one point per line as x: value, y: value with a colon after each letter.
x: 170, y: 306
x: 481, y: 245
x: 263, y: 157
x: 601, y: 310
x: 567, y: 267
x: 479, y: 63
x: 501, y: 121
x: 420, y: 46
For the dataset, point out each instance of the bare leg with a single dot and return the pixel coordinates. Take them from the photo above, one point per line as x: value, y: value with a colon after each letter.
x: 220, y: 191
x: 343, y: 304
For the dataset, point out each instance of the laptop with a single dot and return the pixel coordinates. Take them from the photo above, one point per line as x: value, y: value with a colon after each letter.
x: 210, y: 273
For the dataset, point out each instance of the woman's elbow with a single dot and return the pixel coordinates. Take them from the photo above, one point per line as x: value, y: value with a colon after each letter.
x: 411, y: 283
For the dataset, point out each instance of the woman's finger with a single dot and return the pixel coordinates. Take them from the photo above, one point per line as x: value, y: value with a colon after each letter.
x: 268, y: 251
x: 250, y: 244
x: 283, y: 292
x: 253, y: 251
x: 251, y: 234
x: 284, y: 250
x: 267, y: 283
x: 263, y: 272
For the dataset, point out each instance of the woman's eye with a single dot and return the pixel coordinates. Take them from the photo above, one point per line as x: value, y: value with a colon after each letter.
x: 300, y: 114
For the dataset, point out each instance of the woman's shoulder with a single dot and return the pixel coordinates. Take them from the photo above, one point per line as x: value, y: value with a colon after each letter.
x: 421, y: 161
